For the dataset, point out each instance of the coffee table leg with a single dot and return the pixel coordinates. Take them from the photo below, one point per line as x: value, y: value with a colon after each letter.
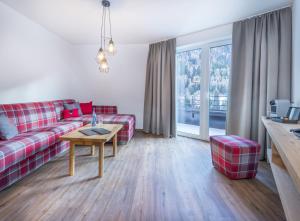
x: 93, y: 150
x: 115, y: 145
x: 72, y: 159
x: 101, y: 159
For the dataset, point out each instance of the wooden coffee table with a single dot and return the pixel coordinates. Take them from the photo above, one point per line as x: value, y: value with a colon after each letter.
x: 77, y: 138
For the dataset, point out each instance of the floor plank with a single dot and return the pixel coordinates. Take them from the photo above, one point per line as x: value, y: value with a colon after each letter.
x: 150, y: 179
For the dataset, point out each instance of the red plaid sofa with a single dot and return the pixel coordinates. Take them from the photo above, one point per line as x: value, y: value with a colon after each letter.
x: 235, y: 157
x: 40, y: 125
x: 105, y: 114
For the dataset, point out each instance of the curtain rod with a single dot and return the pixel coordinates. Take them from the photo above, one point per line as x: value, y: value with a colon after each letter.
x: 228, y: 23
x: 262, y: 13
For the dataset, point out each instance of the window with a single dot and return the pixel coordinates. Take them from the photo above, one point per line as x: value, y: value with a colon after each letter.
x: 202, y: 80
x: 188, y: 89
x: 220, y: 64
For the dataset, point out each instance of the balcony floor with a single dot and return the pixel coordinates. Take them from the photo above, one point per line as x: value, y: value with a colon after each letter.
x: 195, y: 130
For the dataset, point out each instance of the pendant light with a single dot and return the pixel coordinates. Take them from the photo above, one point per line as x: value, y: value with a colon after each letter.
x: 109, y: 49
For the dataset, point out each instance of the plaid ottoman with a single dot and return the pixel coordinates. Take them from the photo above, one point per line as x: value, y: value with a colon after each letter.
x: 235, y: 157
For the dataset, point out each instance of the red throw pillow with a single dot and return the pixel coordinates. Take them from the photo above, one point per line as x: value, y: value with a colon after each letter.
x: 70, y: 113
x: 86, y: 108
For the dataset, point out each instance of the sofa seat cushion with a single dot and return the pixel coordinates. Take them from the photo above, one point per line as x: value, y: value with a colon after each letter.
x: 126, y: 119
x: 23, y: 146
x: 85, y: 119
x: 27, y: 144
x: 21, y: 169
x: 61, y: 128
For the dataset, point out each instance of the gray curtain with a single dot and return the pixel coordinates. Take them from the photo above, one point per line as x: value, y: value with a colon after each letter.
x: 261, y: 71
x: 159, y: 106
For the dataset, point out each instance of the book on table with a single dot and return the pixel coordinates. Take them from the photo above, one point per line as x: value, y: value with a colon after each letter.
x: 94, y: 131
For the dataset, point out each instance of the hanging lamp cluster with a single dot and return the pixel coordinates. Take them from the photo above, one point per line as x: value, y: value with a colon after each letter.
x: 105, y: 49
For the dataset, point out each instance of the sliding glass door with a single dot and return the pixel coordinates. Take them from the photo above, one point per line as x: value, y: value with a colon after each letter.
x: 202, y: 80
x: 188, y: 80
x: 220, y: 63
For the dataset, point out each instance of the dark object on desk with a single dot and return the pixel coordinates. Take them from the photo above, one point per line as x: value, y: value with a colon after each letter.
x: 292, y: 117
x: 101, y: 131
x: 94, y: 131
x: 88, y: 132
x: 296, y: 132
x: 284, y: 120
x: 293, y: 113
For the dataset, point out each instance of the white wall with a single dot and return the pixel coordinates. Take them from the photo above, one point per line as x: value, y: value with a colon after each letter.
x: 296, y: 52
x: 208, y: 35
x: 34, y: 63
x: 123, y: 86
x: 37, y: 65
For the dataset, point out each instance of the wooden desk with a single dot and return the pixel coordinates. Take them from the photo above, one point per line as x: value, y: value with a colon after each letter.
x: 77, y: 138
x: 284, y: 158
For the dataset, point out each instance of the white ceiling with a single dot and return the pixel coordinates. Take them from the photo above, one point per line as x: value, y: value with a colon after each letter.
x: 138, y: 21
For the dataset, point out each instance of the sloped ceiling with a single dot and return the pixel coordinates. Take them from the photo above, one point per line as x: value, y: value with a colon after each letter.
x: 138, y: 21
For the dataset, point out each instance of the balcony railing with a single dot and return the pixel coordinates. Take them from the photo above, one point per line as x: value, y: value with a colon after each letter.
x: 188, y: 113
x: 216, y: 103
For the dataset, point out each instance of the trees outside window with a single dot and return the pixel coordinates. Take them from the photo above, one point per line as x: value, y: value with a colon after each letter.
x: 208, y: 65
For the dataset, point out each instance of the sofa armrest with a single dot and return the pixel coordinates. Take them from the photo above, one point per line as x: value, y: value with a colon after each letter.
x: 105, y: 109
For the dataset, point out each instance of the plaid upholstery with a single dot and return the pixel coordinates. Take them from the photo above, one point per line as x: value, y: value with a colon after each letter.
x: 61, y: 128
x: 105, y: 109
x: 235, y: 157
x: 128, y: 129
x: 27, y: 144
x: 59, y: 107
x: 28, y: 165
x: 85, y: 119
x: 23, y: 146
x: 30, y: 116
x: 39, y: 125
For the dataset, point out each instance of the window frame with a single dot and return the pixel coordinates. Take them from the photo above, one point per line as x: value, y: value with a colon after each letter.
x: 204, y: 84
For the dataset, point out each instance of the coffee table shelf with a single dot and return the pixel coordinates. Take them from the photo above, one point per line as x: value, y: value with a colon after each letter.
x: 77, y: 138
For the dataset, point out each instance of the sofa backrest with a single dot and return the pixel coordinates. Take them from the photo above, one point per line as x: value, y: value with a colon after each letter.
x: 59, y: 106
x: 30, y: 116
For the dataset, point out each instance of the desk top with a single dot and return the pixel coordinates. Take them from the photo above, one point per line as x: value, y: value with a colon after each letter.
x: 288, y: 147
x: 78, y: 136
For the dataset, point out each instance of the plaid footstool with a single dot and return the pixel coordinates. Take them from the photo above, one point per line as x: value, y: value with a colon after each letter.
x: 235, y: 157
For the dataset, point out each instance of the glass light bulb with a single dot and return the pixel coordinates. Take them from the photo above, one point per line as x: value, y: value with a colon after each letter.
x: 100, y: 55
x: 111, y: 47
x: 104, y: 63
x: 104, y: 66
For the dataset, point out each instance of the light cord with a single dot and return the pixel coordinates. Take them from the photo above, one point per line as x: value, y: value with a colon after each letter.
x: 102, y: 26
x: 109, y: 23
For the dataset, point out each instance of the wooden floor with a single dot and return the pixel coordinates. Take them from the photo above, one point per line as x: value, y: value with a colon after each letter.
x: 150, y: 179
